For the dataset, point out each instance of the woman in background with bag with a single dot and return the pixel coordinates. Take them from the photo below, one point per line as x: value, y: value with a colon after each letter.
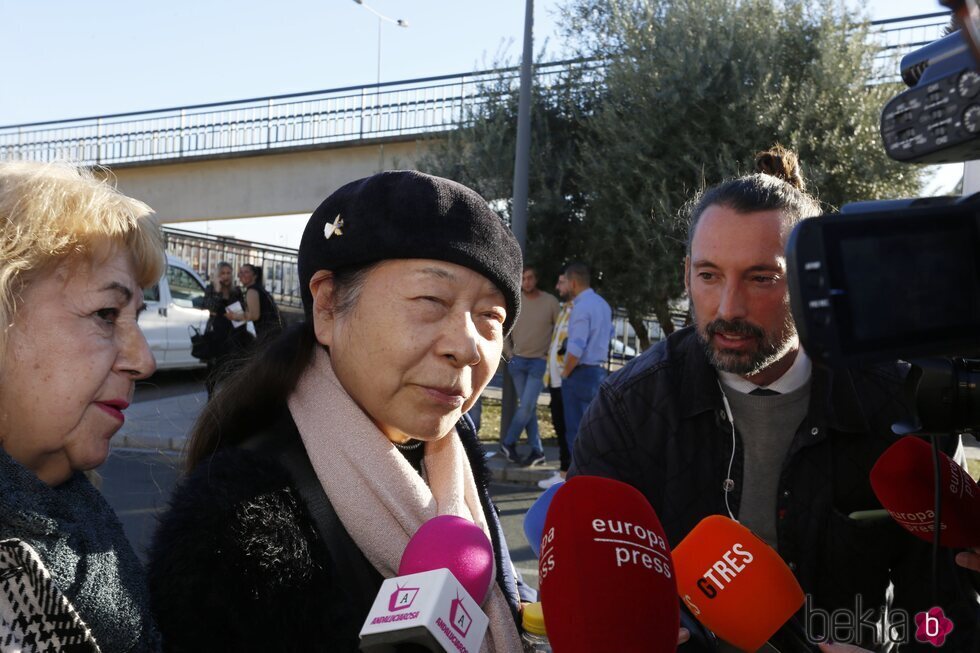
x: 260, y: 309
x: 222, y: 339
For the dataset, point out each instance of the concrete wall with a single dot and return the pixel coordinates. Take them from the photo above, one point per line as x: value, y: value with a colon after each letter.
x: 258, y: 185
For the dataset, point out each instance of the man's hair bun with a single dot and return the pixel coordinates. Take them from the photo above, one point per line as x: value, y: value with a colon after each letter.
x: 781, y: 163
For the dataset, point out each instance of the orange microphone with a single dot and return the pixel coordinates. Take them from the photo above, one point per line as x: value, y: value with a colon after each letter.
x: 738, y: 587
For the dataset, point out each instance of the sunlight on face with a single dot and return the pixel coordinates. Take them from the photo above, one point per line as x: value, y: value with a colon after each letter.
x: 736, y: 278
x: 73, y: 356
x: 419, y: 347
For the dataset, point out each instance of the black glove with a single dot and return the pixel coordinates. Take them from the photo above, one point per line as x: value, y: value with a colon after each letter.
x: 702, y: 640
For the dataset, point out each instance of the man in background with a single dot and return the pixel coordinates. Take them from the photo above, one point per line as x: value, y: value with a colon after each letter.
x: 589, y: 333
x: 529, y: 339
x: 552, y: 380
x: 729, y: 417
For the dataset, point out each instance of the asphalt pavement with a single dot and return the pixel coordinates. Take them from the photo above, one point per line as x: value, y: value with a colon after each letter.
x: 137, y: 484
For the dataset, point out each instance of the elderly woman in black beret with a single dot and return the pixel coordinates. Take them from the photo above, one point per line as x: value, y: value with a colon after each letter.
x: 314, y: 467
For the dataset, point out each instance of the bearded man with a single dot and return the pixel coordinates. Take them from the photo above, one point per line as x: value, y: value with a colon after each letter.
x: 729, y: 417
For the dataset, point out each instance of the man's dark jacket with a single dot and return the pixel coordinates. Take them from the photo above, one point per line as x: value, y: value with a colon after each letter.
x: 237, y: 563
x: 659, y: 424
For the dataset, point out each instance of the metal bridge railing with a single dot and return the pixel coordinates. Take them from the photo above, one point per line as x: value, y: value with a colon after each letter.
x: 897, y: 37
x: 203, y: 252
x: 392, y: 109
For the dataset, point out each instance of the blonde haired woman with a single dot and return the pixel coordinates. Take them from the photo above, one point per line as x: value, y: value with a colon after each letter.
x: 74, y: 255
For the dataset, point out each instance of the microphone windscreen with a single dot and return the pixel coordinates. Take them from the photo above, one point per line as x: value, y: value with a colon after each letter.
x: 734, y: 583
x: 606, y: 577
x: 456, y: 544
x: 903, y: 478
x: 534, y: 519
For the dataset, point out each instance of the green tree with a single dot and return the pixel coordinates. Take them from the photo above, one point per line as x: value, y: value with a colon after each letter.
x: 670, y: 96
x: 692, y: 90
x: 480, y: 154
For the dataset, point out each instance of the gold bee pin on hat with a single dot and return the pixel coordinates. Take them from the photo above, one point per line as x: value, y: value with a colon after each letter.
x: 333, y: 229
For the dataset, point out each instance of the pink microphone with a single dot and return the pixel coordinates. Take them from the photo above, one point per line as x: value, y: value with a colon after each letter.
x: 455, y: 544
x: 444, y: 576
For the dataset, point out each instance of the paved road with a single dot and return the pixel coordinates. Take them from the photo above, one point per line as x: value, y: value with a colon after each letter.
x: 169, y: 383
x: 137, y: 484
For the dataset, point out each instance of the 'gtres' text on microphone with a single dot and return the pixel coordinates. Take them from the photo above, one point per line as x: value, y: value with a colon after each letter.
x: 724, y: 571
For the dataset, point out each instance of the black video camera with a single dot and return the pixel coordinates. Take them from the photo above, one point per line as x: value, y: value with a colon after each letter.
x: 901, y: 279
x: 937, y: 120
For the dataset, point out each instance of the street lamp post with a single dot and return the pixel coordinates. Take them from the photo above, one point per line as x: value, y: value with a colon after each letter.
x: 522, y: 154
x: 400, y: 23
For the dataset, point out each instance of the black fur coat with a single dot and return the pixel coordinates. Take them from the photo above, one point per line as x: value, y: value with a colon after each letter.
x: 238, y: 565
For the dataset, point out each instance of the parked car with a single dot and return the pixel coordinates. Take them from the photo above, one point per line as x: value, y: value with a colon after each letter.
x: 620, y: 350
x: 174, y: 307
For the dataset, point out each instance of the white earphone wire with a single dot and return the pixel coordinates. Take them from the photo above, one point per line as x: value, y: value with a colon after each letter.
x: 729, y: 484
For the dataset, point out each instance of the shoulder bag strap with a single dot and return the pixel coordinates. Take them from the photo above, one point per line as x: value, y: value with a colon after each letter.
x: 351, y: 567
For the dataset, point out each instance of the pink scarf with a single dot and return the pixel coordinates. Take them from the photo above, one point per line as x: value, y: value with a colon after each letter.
x: 378, y: 496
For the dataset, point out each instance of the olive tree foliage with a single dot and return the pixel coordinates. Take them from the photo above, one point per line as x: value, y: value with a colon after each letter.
x: 480, y: 154
x: 674, y: 96
x: 692, y: 90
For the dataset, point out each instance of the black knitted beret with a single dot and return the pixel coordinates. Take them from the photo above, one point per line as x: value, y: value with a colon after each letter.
x: 405, y: 214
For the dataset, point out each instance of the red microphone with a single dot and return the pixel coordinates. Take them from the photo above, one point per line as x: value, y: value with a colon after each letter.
x: 903, y: 480
x: 738, y: 587
x: 607, y: 580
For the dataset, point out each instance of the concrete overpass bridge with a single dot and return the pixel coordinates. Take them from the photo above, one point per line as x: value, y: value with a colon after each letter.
x: 282, y: 155
x: 266, y: 156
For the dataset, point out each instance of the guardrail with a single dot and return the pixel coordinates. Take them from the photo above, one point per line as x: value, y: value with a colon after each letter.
x: 409, y: 108
x: 899, y: 36
x: 203, y: 252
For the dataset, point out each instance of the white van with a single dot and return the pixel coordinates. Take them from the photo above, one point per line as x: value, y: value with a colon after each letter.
x: 173, y: 307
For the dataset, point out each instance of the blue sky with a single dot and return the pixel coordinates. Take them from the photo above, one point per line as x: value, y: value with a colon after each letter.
x: 76, y: 59
x: 72, y: 59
